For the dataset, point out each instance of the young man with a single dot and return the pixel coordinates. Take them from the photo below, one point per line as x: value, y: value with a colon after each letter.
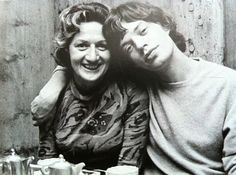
x: 192, y: 101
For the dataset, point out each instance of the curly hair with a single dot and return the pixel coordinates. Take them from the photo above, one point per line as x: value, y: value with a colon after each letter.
x: 133, y: 11
x: 69, y: 24
x: 130, y: 12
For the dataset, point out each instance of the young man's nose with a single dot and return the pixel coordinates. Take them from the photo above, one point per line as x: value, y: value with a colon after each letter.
x: 139, y: 43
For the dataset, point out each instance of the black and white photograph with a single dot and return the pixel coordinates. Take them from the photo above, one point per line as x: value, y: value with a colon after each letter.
x: 117, y: 87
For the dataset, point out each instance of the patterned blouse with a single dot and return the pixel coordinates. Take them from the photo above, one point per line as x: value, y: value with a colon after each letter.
x: 102, y: 130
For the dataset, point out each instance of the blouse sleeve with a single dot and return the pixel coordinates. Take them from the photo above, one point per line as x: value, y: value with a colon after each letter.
x: 47, y: 148
x: 135, y: 128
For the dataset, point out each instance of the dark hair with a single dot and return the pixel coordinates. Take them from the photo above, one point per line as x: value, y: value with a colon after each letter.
x: 133, y: 11
x: 130, y: 12
x: 69, y: 24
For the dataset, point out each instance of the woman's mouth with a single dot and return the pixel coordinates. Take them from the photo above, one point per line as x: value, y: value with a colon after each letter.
x: 91, y: 66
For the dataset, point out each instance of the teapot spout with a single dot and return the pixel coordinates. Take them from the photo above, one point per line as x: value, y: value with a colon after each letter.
x: 25, y: 163
x: 29, y: 160
x: 76, y: 169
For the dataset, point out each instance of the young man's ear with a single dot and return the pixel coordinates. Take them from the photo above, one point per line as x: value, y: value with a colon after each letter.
x: 166, y: 29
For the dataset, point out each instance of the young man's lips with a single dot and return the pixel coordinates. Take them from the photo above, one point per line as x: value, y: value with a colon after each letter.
x: 147, y: 55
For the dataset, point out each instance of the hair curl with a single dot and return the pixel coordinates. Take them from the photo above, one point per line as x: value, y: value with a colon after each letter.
x: 69, y: 24
x: 133, y: 11
x: 130, y: 12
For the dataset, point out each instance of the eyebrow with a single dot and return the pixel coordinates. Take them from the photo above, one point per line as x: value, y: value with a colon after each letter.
x: 102, y: 41
x: 80, y: 41
x: 134, y: 30
x: 138, y: 25
x: 85, y: 41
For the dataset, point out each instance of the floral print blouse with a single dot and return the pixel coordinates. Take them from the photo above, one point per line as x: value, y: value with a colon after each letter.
x: 105, y: 129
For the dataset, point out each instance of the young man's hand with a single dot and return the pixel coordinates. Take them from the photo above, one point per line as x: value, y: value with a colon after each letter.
x: 44, y: 105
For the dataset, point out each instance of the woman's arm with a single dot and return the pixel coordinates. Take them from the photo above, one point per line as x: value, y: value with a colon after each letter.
x: 135, y: 129
x: 47, y: 148
x: 44, y: 103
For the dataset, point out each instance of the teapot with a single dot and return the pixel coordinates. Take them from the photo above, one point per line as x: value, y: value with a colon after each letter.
x: 59, y: 167
x: 15, y: 165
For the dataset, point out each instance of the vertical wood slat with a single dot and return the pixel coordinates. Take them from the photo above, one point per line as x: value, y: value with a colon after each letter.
x: 230, y: 34
x: 202, y: 24
x: 26, y: 32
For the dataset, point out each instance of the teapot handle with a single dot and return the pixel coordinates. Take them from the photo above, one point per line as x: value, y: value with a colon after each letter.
x: 44, y: 169
x: 1, y: 167
x: 4, y: 166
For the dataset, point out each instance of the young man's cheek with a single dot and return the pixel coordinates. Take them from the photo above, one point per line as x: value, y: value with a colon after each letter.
x: 136, y: 57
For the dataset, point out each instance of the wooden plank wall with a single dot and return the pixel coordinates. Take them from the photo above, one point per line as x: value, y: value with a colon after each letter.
x: 230, y: 33
x: 27, y: 29
x: 201, y: 22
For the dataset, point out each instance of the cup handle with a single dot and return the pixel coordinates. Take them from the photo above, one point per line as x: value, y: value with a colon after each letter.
x: 45, y: 170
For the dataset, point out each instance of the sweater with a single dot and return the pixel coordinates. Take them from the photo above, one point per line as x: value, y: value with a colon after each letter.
x: 193, y: 123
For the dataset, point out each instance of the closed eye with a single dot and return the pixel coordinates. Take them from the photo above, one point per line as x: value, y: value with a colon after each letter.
x: 143, y: 31
x: 128, y: 48
x: 141, y: 28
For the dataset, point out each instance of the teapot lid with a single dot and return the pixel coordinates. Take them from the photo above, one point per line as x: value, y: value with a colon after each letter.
x: 13, y: 157
x: 61, y: 164
x: 47, y: 162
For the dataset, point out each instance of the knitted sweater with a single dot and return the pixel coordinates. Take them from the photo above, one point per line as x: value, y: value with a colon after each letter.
x: 193, y: 123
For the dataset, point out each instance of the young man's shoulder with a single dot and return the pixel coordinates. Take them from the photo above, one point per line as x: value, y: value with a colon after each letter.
x: 219, y: 71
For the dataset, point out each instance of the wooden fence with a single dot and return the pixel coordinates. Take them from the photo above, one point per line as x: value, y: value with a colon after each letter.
x: 27, y: 29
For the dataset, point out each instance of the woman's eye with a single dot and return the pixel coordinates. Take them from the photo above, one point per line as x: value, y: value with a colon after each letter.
x: 82, y: 46
x: 102, y: 47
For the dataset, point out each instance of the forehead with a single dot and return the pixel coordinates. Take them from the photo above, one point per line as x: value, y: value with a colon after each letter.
x: 130, y: 26
x: 90, y: 31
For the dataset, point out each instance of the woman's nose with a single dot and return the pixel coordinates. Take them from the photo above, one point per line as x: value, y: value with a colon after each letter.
x: 92, y: 55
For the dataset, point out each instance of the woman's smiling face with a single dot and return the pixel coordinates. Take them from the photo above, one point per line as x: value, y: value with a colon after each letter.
x: 89, y: 55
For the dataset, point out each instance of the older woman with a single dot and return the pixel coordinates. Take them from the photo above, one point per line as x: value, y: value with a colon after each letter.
x: 99, y: 120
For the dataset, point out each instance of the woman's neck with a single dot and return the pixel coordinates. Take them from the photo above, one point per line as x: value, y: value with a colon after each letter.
x: 84, y: 87
x: 89, y: 88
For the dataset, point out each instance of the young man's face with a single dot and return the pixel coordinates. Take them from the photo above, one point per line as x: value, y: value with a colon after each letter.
x: 147, y: 44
